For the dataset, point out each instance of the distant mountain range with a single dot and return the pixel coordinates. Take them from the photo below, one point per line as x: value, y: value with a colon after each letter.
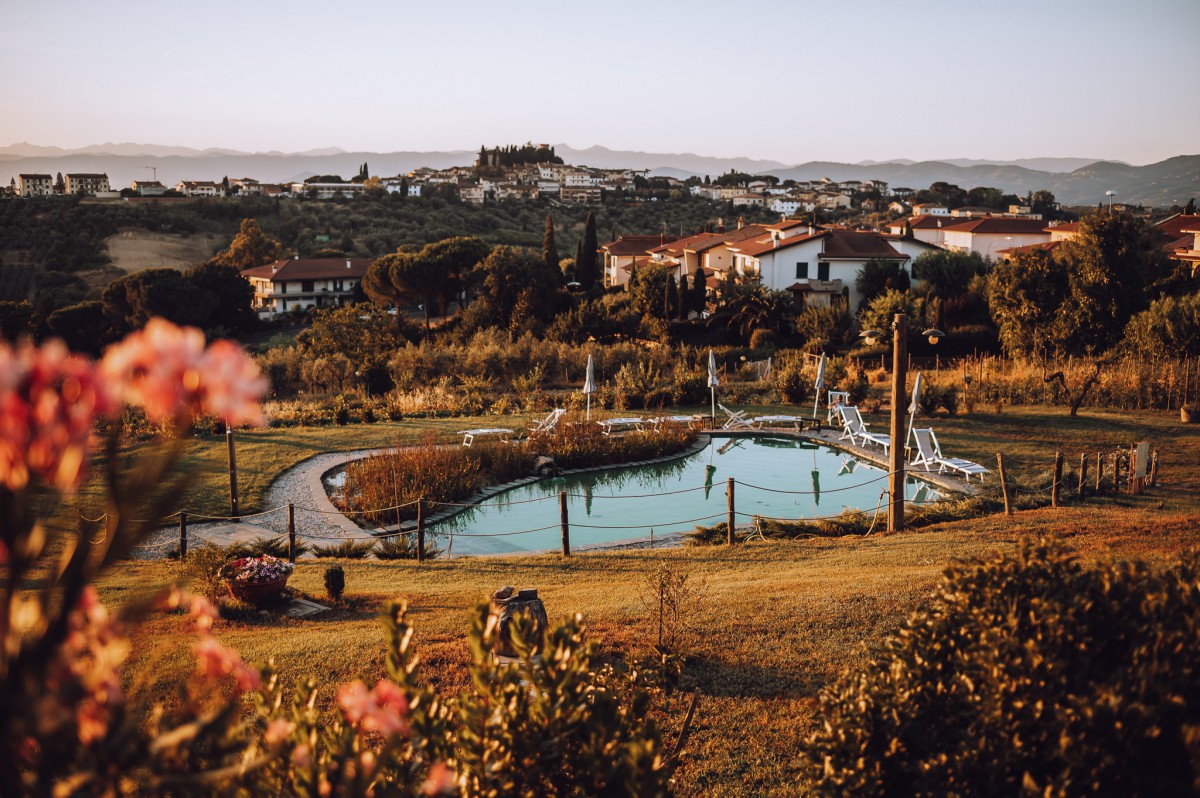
x: 1074, y: 181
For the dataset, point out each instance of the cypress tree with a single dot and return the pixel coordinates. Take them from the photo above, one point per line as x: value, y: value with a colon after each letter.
x: 587, y: 269
x: 685, y: 297
x: 550, y: 249
x: 699, y: 291
x: 671, y: 298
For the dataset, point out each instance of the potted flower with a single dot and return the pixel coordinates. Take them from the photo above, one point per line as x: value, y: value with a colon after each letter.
x: 257, y: 580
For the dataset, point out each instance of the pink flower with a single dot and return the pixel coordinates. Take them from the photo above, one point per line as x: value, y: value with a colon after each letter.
x: 278, y: 731
x: 233, y: 384
x: 302, y: 756
x: 203, y: 613
x: 49, y: 400
x: 439, y: 781
x: 380, y: 710
x: 165, y: 370
x: 215, y: 661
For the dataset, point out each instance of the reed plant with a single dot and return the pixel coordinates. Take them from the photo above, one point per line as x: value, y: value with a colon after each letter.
x: 345, y: 550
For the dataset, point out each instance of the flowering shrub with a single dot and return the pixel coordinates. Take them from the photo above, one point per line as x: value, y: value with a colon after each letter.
x: 256, y: 570
x: 69, y: 725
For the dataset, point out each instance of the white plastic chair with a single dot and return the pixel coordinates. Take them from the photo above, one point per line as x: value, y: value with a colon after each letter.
x: 855, y: 429
x: 837, y: 400
x: 929, y: 454
x: 546, y: 425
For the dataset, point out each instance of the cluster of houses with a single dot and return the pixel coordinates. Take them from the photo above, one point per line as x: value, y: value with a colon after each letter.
x: 821, y: 263
x: 570, y: 185
x: 817, y: 264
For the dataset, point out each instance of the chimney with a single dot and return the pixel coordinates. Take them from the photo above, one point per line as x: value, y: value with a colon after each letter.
x: 741, y: 222
x: 811, y: 230
x: 347, y: 263
x: 774, y: 238
x: 274, y: 267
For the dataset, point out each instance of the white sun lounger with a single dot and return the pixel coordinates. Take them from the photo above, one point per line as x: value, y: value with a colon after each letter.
x: 855, y: 429
x: 795, y: 422
x: 737, y: 419
x: 546, y: 425
x: 929, y: 454
x: 611, y: 425
x: 469, y: 435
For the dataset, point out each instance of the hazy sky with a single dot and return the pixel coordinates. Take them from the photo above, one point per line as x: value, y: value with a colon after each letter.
x: 789, y: 81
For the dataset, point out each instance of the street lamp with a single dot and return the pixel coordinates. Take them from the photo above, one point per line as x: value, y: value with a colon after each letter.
x: 1110, y: 195
x: 899, y: 376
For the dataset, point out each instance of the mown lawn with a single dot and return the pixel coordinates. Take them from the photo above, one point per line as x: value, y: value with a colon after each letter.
x: 780, y: 619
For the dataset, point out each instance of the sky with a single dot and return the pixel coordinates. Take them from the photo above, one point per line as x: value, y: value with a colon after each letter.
x: 786, y: 81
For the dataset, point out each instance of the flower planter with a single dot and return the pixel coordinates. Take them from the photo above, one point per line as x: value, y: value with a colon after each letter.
x: 257, y: 593
x: 257, y: 580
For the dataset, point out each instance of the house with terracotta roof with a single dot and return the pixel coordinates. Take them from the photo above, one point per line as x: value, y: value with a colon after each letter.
x: 925, y: 228
x: 990, y: 235
x: 818, y: 266
x: 930, y: 209
x: 622, y: 255
x: 1188, y: 251
x: 712, y: 252
x: 304, y: 283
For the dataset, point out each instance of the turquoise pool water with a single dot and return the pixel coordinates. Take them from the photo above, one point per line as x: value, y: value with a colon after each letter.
x: 776, y: 477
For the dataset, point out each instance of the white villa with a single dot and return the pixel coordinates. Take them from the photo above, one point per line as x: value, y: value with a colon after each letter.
x: 303, y: 283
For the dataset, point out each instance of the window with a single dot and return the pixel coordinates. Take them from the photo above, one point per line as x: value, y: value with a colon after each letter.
x: 822, y: 270
x: 306, y: 286
x: 801, y: 270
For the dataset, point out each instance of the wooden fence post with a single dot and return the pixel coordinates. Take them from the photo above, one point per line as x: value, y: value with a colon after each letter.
x: 729, y: 500
x: 1154, y: 469
x: 1099, y: 473
x: 1054, y: 488
x: 291, y: 532
x: 566, y: 525
x: 1003, y: 483
x: 182, y: 536
x: 1082, y: 473
x: 420, y: 530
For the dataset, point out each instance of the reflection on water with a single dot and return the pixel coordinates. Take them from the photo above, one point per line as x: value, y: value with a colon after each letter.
x: 777, y: 478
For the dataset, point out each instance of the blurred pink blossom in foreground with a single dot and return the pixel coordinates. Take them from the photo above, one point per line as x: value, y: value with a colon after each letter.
x: 381, y: 709
x: 50, y: 399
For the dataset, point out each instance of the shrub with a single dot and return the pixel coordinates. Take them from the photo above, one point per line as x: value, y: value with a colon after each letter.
x: 202, y: 568
x: 764, y: 339
x: 1030, y: 674
x: 335, y: 582
x: 345, y: 550
x: 791, y: 381
x: 275, y: 547
x: 403, y: 547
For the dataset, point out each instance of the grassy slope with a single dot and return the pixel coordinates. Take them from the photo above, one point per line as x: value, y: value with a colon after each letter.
x: 782, y: 619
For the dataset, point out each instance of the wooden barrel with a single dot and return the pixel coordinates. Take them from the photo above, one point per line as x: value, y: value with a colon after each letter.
x: 506, y: 604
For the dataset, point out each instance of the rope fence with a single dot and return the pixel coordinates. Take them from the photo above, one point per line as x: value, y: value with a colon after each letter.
x: 1134, y: 468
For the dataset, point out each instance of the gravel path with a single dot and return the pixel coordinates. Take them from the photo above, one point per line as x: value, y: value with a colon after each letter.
x: 316, y: 517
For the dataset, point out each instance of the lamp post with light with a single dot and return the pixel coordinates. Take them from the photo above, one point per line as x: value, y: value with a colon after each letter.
x: 899, y: 376
x: 1110, y: 195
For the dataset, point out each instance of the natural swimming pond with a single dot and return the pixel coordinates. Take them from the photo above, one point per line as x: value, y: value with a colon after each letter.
x: 776, y: 477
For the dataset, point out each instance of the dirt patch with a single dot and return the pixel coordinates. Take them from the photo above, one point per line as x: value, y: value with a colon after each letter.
x: 135, y: 250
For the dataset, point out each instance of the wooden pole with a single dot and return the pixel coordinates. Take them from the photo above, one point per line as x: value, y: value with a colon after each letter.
x: 291, y: 532
x: 730, y: 519
x: 899, y: 375
x: 420, y: 530
x: 1003, y: 483
x: 565, y: 522
x: 1082, y: 473
x: 1099, y: 473
x: 1154, y: 469
x: 1054, y: 488
x: 182, y: 536
x: 233, y: 488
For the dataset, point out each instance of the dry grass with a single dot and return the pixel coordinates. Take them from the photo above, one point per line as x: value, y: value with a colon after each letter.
x: 783, y: 618
x: 136, y: 250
